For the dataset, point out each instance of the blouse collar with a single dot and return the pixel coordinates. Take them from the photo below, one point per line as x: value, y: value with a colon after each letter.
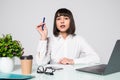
x: 61, y: 37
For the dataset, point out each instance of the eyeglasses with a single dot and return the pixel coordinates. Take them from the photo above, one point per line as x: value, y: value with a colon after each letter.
x: 46, y: 70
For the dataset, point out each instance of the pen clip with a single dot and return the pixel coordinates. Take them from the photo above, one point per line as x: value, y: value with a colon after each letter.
x: 43, y: 22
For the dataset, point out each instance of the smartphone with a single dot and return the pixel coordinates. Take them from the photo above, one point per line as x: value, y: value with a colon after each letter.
x: 43, y: 22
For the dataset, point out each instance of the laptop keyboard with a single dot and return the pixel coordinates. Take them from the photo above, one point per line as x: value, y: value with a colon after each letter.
x: 100, y: 68
x: 95, y: 69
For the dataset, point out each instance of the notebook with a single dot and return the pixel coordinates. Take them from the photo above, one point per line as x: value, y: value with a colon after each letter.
x: 104, y: 69
x: 7, y: 76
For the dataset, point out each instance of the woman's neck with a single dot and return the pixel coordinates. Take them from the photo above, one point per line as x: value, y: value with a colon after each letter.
x: 64, y: 35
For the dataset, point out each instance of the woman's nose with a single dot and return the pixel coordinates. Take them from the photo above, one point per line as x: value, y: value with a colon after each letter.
x: 62, y: 20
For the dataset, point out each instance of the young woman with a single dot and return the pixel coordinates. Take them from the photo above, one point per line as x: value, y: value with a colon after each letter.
x: 65, y: 47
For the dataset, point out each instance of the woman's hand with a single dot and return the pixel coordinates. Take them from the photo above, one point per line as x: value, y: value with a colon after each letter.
x: 43, y: 32
x: 66, y: 61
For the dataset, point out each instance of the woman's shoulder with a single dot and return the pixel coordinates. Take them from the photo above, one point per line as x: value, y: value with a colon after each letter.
x: 52, y: 38
x: 78, y: 37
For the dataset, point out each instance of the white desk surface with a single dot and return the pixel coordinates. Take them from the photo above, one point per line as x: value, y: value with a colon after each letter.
x: 68, y: 73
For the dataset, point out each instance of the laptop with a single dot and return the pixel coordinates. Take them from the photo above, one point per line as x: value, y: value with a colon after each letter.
x: 104, y: 69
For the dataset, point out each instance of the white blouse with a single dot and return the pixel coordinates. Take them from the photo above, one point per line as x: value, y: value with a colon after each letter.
x: 73, y: 47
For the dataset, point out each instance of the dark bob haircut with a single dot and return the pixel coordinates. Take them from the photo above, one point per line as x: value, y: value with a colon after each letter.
x: 68, y: 13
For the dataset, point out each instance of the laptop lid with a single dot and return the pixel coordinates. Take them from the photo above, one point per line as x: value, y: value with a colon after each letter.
x: 112, y: 66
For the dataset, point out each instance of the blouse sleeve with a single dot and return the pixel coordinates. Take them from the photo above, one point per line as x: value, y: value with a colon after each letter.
x: 87, y: 54
x: 43, y: 53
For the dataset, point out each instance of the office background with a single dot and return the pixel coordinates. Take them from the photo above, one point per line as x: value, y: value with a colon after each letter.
x: 98, y: 21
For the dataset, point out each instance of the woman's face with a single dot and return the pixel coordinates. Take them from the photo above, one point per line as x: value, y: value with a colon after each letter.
x: 63, y: 23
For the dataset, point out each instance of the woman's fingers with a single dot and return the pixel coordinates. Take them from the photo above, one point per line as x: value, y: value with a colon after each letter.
x: 66, y: 61
x: 43, y: 32
x: 39, y: 27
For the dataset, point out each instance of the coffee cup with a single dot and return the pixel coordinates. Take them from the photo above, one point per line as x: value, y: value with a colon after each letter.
x: 26, y: 64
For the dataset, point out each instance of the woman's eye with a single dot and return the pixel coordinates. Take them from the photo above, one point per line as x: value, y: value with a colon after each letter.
x: 66, y: 18
x: 57, y: 18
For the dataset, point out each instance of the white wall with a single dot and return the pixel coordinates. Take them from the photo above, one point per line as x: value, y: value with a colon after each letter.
x: 98, y: 21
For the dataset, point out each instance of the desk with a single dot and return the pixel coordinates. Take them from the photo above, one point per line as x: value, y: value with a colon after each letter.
x: 69, y: 73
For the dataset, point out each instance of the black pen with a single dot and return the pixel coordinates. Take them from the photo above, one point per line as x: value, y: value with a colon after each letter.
x: 43, y: 22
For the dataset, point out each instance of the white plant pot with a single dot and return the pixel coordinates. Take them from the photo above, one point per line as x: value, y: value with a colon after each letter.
x: 6, y: 64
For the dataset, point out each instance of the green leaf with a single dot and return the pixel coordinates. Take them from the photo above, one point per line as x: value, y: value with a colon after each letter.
x: 9, y: 47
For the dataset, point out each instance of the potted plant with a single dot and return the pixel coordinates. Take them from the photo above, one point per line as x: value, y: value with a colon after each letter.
x: 9, y: 49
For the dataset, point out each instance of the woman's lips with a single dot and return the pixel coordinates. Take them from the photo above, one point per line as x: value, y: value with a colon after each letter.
x: 62, y: 26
